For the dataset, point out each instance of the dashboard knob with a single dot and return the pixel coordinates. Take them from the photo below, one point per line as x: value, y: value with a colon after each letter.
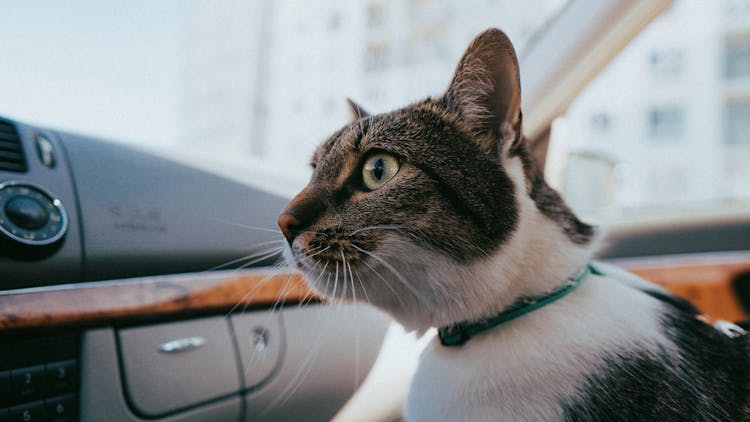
x: 31, y: 216
x: 26, y: 212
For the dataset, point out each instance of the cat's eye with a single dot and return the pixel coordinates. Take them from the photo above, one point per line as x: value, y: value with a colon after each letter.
x: 378, y: 169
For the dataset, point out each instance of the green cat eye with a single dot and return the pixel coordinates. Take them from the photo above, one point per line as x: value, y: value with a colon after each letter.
x: 378, y: 169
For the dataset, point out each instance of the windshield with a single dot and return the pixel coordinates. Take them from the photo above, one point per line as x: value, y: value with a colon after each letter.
x: 247, y: 89
x: 249, y: 86
x: 661, y: 134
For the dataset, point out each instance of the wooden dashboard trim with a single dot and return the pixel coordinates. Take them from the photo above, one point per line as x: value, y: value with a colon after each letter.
x: 705, y: 279
x: 131, y: 300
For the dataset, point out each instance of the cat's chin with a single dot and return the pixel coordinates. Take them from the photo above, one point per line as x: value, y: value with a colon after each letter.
x: 378, y: 280
x: 419, y: 288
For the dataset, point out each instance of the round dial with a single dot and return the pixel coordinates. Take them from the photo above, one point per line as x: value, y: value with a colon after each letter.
x: 29, y: 215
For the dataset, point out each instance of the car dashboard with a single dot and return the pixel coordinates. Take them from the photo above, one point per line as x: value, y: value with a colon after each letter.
x: 124, y: 295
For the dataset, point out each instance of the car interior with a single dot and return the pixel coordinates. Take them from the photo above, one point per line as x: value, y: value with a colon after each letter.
x: 140, y: 284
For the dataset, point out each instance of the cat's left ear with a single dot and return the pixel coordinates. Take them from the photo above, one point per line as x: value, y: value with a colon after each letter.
x: 356, y: 111
x: 486, y: 91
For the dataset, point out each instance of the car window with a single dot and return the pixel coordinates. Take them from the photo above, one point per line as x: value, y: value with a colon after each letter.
x: 258, y: 83
x: 662, y: 133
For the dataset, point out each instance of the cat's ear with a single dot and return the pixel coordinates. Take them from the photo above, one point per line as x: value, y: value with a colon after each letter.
x: 486, y: 91
x: 356, y: 111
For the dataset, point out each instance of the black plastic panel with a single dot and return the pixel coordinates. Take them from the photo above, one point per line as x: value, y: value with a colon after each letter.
x: 39, y: 378
x: 36, y: 266
x: 672, y: 239
x: 132, y: 214
x: 145, y: 215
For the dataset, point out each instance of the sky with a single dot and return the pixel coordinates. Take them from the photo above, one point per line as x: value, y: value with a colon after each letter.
x: 110, y: 69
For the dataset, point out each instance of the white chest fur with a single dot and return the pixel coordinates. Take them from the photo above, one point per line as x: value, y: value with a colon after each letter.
x: 525, y: 369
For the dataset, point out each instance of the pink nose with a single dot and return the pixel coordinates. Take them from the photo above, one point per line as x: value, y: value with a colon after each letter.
x: 289, y: 224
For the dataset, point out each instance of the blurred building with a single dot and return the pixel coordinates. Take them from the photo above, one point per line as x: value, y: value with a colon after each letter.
x: 412, y: 46
x: 224, y: 74
x: 668, y: 121
x: 265, y: 81
x: 268, y: 79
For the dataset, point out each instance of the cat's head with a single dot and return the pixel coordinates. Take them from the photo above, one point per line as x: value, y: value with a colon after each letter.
x: 412, y: 210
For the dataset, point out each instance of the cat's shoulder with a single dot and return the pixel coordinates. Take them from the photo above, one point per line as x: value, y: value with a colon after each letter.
x: 671, y: 301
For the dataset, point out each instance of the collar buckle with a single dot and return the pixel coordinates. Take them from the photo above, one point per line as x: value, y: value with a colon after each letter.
x: 453, y: 335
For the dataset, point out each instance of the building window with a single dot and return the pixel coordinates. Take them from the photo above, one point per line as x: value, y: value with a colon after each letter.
x: 665, y: 181
x: 737, y: 123
x: 329, y: 106
x: 334, y: 21
x: 297, y: 107
x: 376, y: 14
x: 377, y: 57
x: 667, y: 63
x: 600, y: 122
x: 735, y: 7
x: 737, y: 58
x: 427, y: 44
x: 374, y: 94
x: 666, y: 123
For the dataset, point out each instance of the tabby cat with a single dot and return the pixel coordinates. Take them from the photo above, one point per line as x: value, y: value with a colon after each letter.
x: 437, y: 214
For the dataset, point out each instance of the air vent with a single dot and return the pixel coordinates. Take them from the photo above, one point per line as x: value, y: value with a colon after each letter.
x: 11, y: 150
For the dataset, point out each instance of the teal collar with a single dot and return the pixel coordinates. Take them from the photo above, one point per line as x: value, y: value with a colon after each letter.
x: 460, y: 332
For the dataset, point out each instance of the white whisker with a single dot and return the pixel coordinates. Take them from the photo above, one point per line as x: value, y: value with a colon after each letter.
x: 261, y: 258
x: 272, y: 273
x: 387, y: 284
x: 390, y: 267
x: 396, y: 228
x: 343, y: 283
x: 271, y: 251
x: 364, y: 290
x: 245, y: 226
x: 318, y: 252
x: 335, y: 282
x: 356, y: 325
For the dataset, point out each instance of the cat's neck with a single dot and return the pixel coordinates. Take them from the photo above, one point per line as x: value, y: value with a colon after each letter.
x: 541, y: 253
x: 538, y: 257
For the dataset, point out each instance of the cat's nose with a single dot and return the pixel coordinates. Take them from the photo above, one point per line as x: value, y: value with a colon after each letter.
x: 290, y: 225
